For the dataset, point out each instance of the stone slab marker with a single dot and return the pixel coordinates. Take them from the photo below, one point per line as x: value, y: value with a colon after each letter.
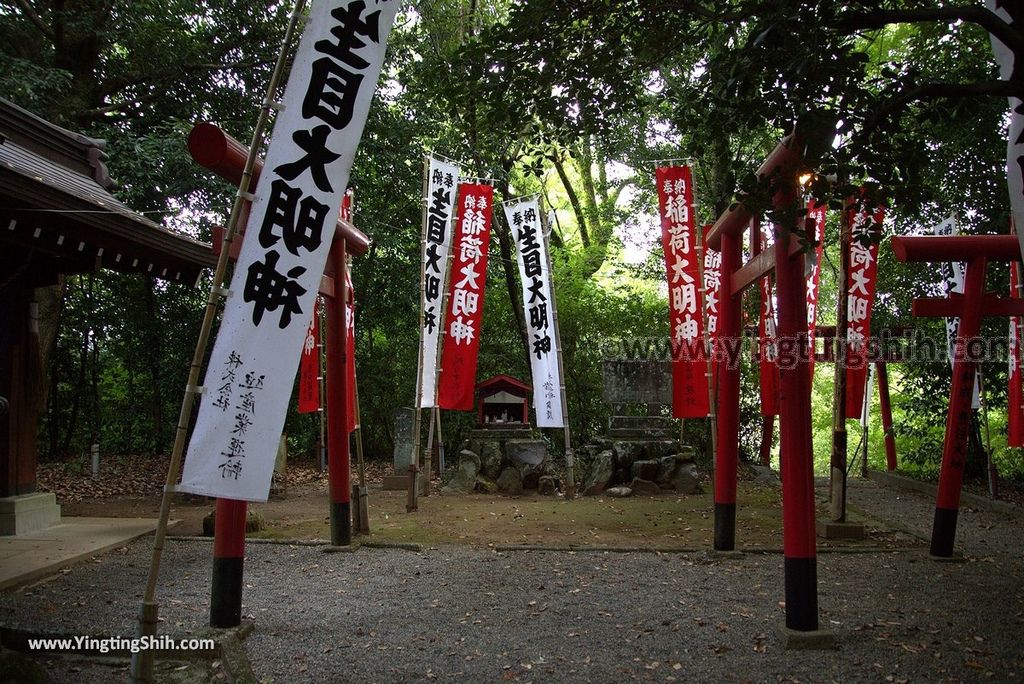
x: 404, y: 419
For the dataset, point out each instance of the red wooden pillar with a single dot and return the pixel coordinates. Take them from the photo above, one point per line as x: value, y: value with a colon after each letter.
x: 767, y: 436
x: 228, y: 561
x: 886, y: 404
x: 796, y: 446
x: 958, y: 417
x: 338, y: 456
x: 726, y: 455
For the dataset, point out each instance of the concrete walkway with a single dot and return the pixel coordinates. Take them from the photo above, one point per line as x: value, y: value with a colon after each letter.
x: 27, y: 557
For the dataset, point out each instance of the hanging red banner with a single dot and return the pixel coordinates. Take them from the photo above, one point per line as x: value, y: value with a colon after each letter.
x: 712, y: 294
x: 1015, y: 395
x: 815, y: 212
x: 352, y: 419
x: 686, y: 315
x: 309, y: 366
x: 465, y: 308
x: 865, y: 230
x: 767, y: 349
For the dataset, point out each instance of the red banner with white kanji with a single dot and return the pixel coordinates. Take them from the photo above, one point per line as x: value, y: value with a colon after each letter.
x: 1015, y: 395
x: 686, y: 315
x: 465, y: 310
x: 816, y: 213
x: 865, y: 230
x: 767, y: 356
x: 309, y: 366
x: 712, y: 296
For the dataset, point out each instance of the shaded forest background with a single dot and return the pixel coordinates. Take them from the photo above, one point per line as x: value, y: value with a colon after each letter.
x: 570, y: 100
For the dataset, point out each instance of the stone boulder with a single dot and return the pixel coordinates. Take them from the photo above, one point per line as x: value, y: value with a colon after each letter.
x: 644, y: 487
x: 628, y: 451
x: 685, y: 480
x: 485, y: 485
x: 463, y: 481
x: 600, y: 472
x: 548, y: 485
x: 490, y: 458
x: 525, y: 451
x: 620, y: 492
x: 510, y: 481
x: 645, y: 470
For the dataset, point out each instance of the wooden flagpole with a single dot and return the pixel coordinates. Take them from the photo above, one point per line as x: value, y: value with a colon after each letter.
x: 435, y: 415
x: 412, y: 501
x: 708, y: 350
x: 837, y: 471
x: 321, y: 367
x: 570, y: 475
x: 142, y: 662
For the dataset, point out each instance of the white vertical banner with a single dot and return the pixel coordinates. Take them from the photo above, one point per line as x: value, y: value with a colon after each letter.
x: 523, y: 216
x: 291, y: 224
x: 1008, y: 69
x: 442, y: 186
x: 953, y: 283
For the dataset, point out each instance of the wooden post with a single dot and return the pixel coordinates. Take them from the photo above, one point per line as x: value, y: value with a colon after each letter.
x: 767, y: 437
x: 708, y: 347
x: 954, y: 448
x: 886, y: 406
x: 993, y: 475
x: 412, y: 501
x: 321, y: 346
x: 796, y: 450
x: 727, y: 451
x: 338, y: 450
x: 837, y: 468
x: 570, y: 475
x: 865, y: 422
x: 228, y: 561
x: 360, y: 492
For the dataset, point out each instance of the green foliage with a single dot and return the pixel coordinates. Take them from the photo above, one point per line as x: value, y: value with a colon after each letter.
x: 569, y: 100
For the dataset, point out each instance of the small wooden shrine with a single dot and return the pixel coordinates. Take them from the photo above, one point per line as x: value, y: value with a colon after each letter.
x: 502, y: 401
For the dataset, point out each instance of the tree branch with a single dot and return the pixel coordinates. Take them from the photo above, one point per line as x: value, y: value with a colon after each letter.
x: 116, y: 84
x: 33, y: 17
x: 1012, y: 37
x: 574, y: 199
x: 931, y: 91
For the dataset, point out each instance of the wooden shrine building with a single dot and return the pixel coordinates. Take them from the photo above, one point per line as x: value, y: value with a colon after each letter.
x: 502, y: 401
x: 57, y: 218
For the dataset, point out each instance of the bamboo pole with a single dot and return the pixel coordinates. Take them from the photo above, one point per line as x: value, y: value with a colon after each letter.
x: 570, y: 475
x: 441, y: 334
x: 142, y: 662
x: 837, y: 482
x: 709, y: 373
x: 993, y: 476
x: 321, y: 367
x: 435, y: 416
x: 412, y: 502
x: 440, y: 445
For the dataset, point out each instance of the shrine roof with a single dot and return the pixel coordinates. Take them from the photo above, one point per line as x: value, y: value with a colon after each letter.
x: 55, y: 200
x: 501, y: 383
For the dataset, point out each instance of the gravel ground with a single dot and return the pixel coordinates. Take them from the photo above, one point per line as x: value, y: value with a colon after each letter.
x: 462, y: 614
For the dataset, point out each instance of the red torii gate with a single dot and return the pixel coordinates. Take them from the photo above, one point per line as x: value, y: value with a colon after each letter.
x: 217, y: 151
x: 786, y: 258
x: 970, y: 307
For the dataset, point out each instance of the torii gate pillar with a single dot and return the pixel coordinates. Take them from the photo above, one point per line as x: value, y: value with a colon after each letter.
x: 786, y: 258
